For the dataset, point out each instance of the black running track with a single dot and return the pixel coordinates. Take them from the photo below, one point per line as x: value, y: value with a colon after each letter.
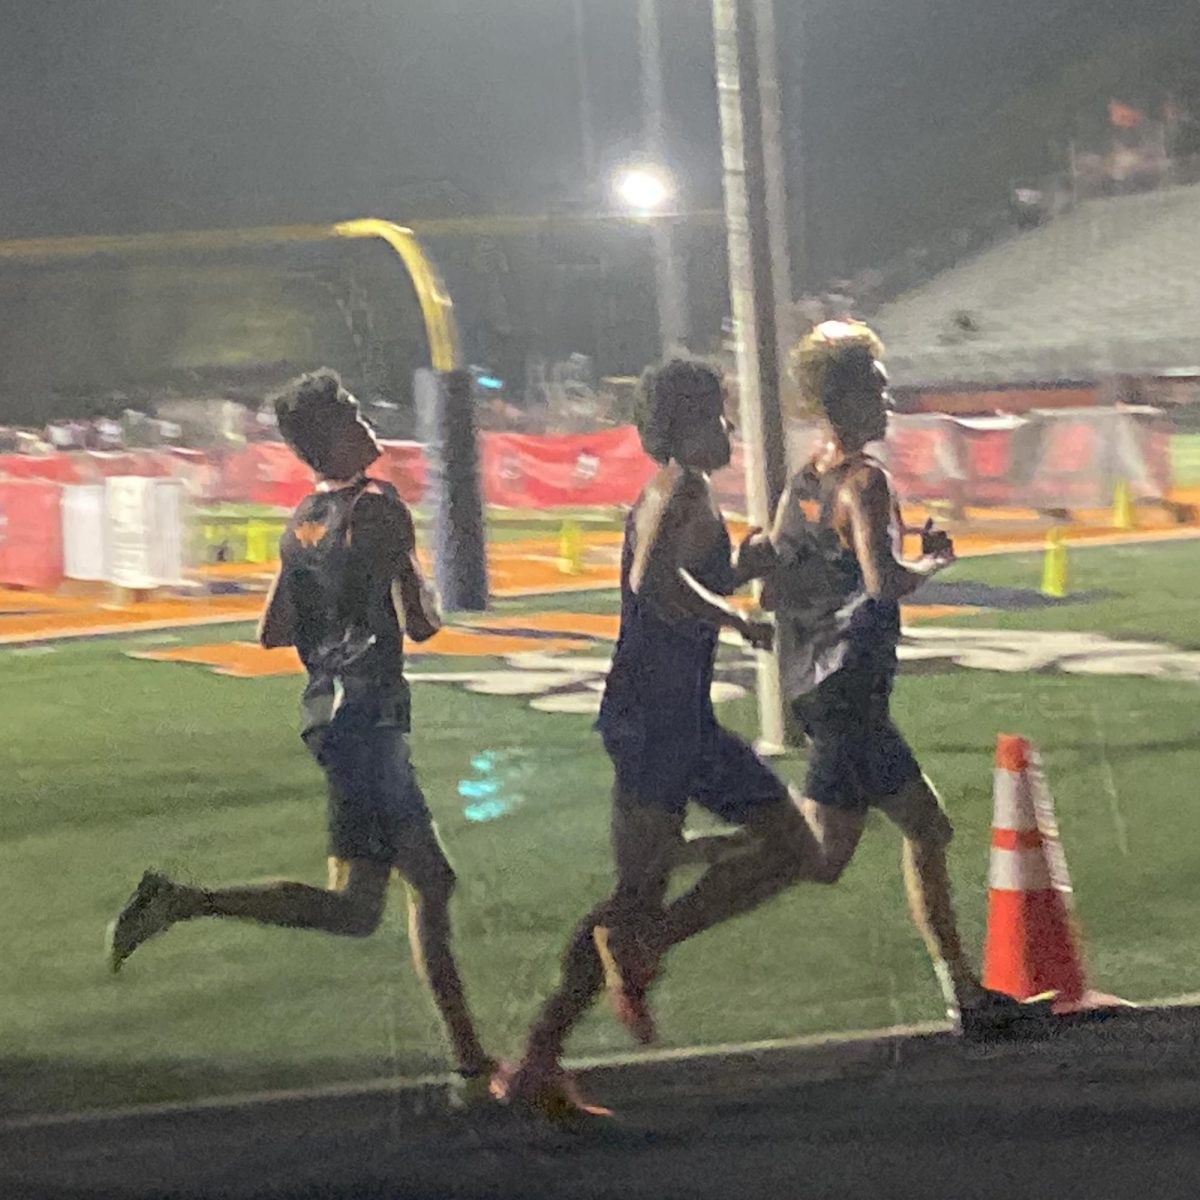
x: 1094, y: 1111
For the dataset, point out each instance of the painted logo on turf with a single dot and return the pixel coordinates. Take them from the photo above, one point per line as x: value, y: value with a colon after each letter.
x: 574, y: 683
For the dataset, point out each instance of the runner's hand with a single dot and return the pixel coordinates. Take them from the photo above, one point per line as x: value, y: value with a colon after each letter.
x: 760, y: 634
x: 931, y: 564
x: 936, y: 544
x: 755, y: 555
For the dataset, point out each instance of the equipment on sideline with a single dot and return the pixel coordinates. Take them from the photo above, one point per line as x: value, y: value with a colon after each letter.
x: 1123, y: 514
x: 570, y: 549
x: 1054, y: 566
x: 1032, y: 938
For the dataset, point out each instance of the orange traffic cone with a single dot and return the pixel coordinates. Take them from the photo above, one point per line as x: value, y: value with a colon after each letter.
x: 1032, y: 939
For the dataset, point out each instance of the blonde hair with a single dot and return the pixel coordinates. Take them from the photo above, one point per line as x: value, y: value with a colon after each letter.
x: 824, y: 346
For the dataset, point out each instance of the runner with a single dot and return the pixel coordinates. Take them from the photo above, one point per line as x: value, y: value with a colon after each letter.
x: 659, y: 729
x: 348, y: 561
x: 836, y: 592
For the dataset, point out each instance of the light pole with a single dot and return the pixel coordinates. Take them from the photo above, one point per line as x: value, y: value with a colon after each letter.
x: 759, y: 270
x: 672, y: 301
x: 587, y: 136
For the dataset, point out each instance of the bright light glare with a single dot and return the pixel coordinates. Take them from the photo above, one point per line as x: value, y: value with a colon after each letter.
x: 643, y: 189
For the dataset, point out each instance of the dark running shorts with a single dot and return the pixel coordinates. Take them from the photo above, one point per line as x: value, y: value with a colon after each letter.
x: 858, y: 757
x: 717, y: 770
x: 374, y: 797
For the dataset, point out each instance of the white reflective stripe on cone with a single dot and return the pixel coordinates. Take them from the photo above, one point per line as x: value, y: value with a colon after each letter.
x: 1013, y: 801
x: 1019, y: 871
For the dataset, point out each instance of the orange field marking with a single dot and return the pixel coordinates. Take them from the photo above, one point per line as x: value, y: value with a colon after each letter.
x: 60, y: 617
x: 243, y: 660
x: 530, y: 567
x: 932, y: 612
x: 248, y: 660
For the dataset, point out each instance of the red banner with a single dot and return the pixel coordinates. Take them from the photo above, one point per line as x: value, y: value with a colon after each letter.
x: 1070, y: 458
x: 1064, y: 459
x: 924, y: 458
x: 31, y: 548
x: 1071, y: 468
x: 60, y: 468
x: 527, y: 471
x: 403, y: 466
x: 264, y: 473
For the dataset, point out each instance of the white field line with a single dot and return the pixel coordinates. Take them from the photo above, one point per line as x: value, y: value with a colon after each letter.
x: 1110, y: 785
x: 698, y: 1053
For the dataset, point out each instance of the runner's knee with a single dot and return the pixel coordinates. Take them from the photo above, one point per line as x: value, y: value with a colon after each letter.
x: 919, y: 815
x: 935, y: 832
x: 824, y: 870
x: 427, y: 870
x: 436, y: 881
x: 363, y: 913
x: 362, y: 896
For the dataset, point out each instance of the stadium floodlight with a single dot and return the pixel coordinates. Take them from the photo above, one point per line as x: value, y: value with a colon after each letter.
x: 644, y: 189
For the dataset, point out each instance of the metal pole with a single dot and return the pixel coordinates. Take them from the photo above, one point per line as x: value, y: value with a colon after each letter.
x: 587, y: 136
x: 672, y: 302
x: 743, y: 36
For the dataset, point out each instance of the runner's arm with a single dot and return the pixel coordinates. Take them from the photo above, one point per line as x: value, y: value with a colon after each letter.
x: 676, y: 527
x: 866, y: 499
x: 422, y: 611
x: 277, y: 625
x: 387, y: 523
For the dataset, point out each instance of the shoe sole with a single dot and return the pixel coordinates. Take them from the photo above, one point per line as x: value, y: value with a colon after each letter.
x: 111, y: 956
x: 628, y: 1011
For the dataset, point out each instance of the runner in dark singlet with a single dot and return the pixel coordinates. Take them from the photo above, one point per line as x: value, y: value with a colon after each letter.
x: 666, y: 746
x: 348, y: 571
x: 836, y: 590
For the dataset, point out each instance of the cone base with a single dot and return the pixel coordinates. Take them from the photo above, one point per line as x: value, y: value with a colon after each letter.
x: 1090, y: 1001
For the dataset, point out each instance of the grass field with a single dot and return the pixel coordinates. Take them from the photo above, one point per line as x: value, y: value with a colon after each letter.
x: 111, y: 765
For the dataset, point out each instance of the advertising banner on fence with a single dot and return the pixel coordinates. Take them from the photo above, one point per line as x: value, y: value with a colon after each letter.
x: 540, y: 471
x: 1072, y: 458
x: 264, y: 473
x: 402, y: 464
x: 31, y: 551
x: 85, y: 532
x: 145, y: 531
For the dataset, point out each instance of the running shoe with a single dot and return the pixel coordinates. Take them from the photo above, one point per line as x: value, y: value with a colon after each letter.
x: 149, y: 911
x: 629, y: 969
x: 471, y: 1090
x: 996, y: 1016
x: 552, y: 1095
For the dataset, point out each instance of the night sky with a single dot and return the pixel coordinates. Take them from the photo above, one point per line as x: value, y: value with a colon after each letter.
x: 138, y: 114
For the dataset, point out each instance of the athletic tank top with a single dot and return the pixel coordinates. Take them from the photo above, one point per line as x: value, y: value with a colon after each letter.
x: 662, y: 670
x: 826, y: 620
x: 338, y: 564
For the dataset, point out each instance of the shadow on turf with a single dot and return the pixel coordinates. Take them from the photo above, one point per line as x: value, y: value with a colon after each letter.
x: 33, y: 1086
x: 971, y: 594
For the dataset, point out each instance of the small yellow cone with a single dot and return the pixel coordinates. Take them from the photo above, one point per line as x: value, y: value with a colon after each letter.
x: 1123, y: 516
x: 1054, y: 566
x: 570, y: 549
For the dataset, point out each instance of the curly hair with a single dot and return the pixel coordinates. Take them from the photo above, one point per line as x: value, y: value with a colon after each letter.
x: 833, y: 360
x: 313, y: 411
x: 666, y: 402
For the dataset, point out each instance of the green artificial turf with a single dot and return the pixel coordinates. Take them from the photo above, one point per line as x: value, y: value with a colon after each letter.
x: 111, y: 765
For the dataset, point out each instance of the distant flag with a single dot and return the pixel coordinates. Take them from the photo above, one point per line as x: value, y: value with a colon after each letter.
x: 1124, y: 116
